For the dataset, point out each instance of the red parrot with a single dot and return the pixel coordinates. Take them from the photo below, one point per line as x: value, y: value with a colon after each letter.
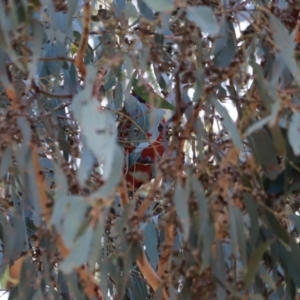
x: 147, y: 156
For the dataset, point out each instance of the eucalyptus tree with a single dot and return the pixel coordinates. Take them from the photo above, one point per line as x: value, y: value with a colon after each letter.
x: 149, y: 149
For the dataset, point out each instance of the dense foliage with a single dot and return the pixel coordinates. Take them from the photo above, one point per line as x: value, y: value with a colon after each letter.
x: 124, y: 174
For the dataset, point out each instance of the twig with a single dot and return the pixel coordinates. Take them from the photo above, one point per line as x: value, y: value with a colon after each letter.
x: 79, y: 60
x: 149, y: 198
x: 166, y: 250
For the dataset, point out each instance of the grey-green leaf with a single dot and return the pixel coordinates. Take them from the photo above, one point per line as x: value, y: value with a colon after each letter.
x: 237, y: 233
x: 254, y: 262
x: 181, y: 203
x: 79, y: 252
x: 204, y: 18
x: 229, y: 123
x: 284, y: 41
x: 160, y: 5
x: 293, y: 133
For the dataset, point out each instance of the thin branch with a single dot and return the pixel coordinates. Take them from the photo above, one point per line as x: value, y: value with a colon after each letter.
x: 149, y: 198
x: 167, y: 248
x: 38, y: 90
x: 63, y: 58
x: 79, y: 60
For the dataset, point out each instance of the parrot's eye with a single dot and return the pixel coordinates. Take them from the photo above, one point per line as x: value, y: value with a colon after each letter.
x: 160, y: 127
x: 148, y: 159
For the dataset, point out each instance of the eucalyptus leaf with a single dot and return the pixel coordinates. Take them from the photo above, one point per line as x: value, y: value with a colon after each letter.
x: 204, y: 18
x: 5, y: 161
x: 284, y: 41
x: 254, y: 262
x: 293, y: 131
x: 99, y: 130
x: 237, y: 233
x: 79, y: 252
x: 74, y: 216
x: 160, y: 5
x: 150, y: 233
x: 181, y: 204
x: 229, y: 123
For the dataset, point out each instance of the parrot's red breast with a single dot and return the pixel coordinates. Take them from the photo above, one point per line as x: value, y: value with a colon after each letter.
x: 147, y: 156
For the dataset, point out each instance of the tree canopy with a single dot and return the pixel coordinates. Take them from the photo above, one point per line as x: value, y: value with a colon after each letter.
x: 150, y: 149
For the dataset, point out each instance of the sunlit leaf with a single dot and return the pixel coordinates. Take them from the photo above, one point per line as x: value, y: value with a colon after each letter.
x: 86, y: 163
x: 229, y: 123
x: 293, y: 131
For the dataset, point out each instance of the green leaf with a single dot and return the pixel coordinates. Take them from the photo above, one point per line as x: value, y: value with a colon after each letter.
x: 130, y: 10
x: 138, y: 287
x: 60, y: 205
x: 254, y: 262
x: 284, y: 41
x: 25, y: 129
x: 27, y: 278
x: 33, y: 191
x: 295, y: 220
x: 79, y: 252
x: 160, y: 5
x: 293, y: 133
x: 99, y: 130
x: 5, y: 28
x: 84, y: 95
x: 237, y: 233
x: 229, y: 124
x: 206, y: 227
x: 38, y: 295
x: 260, y: 83
x: 204, y: 18
x: 150, y: 241
x: 257, y: 297
x: 38, y: 37
x: 274, y: 107
x: 264, y: 152
x: 219, y: 271
x: 119, y: 95
x: 225, y: 48
x: 251, y: 208
x: 74, y: 216
x: 145, y: 11
x: 181, y: 196
x: 61, y: 197
x: 107, y: 189
x: 5, y: 161
x: 76, y: 290
x: 277, y: 229
x: 96, y: 247
x: 87, y: 162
